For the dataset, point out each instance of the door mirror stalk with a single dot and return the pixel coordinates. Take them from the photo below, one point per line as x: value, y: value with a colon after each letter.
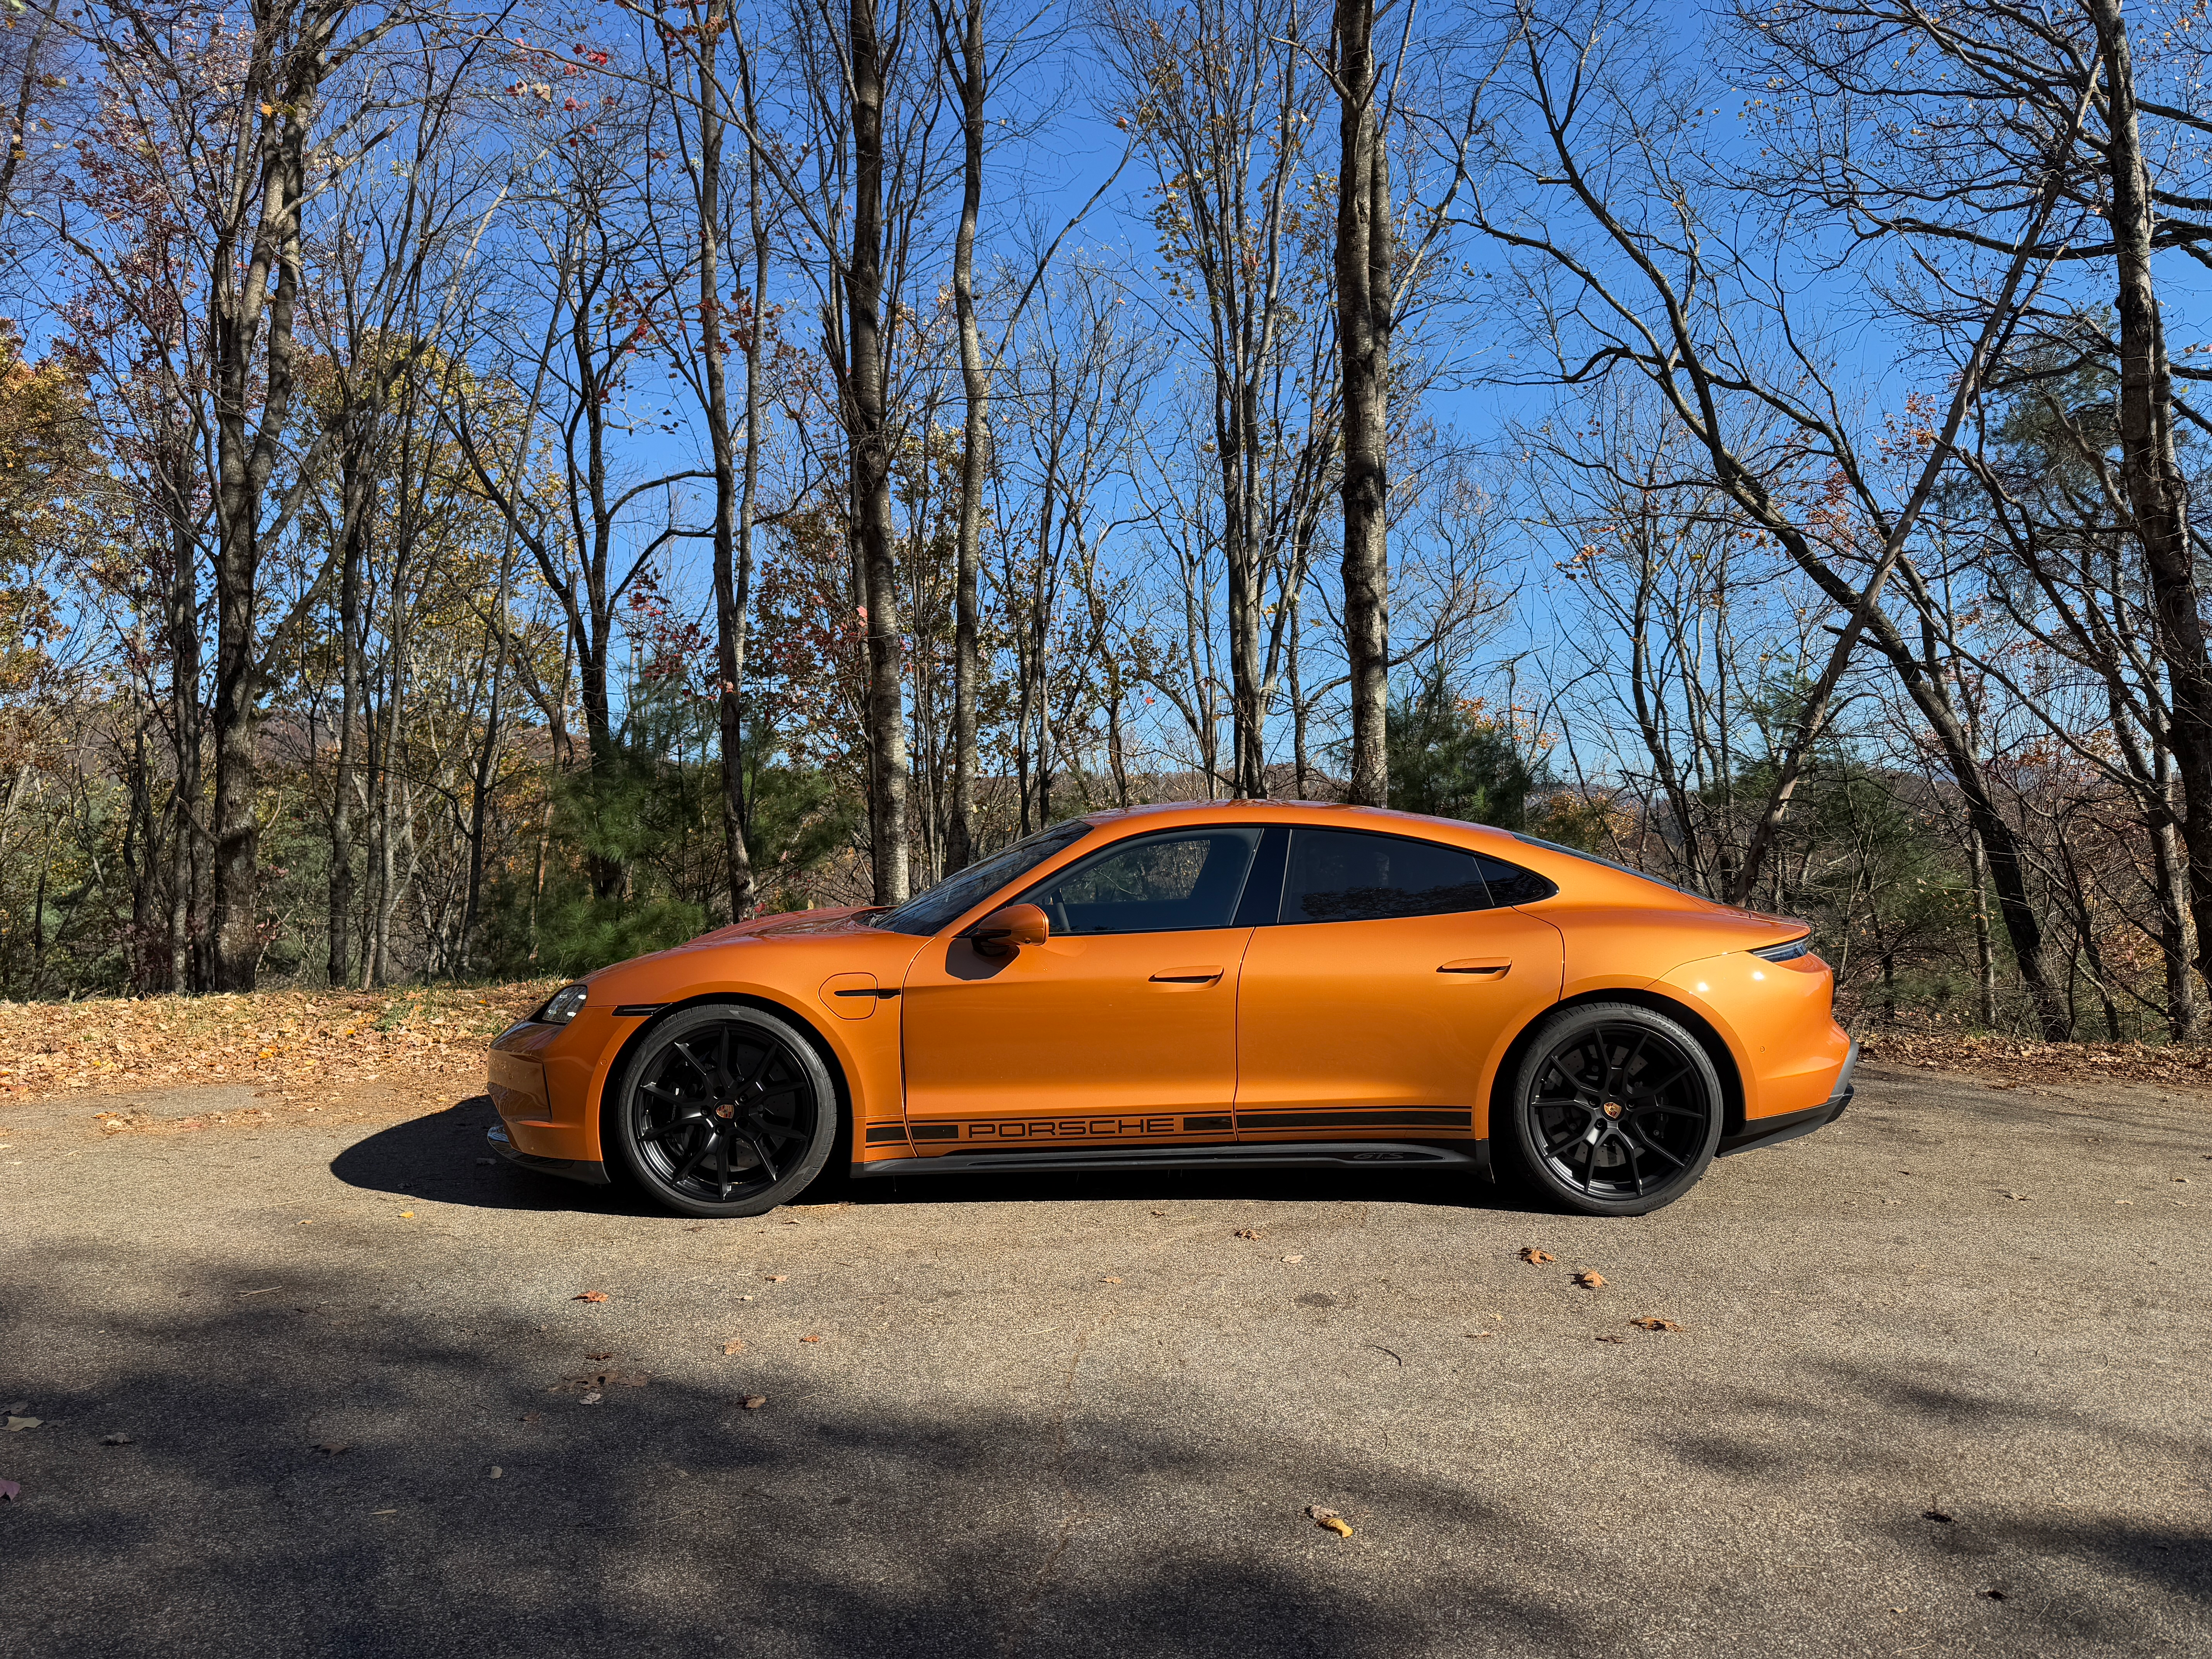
x: 1008, y: 928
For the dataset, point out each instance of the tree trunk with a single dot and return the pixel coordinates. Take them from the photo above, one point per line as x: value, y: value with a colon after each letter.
x: 971, y: 78
x: 2150, y: 473
x: 729, y: 595
x: 355, y: 529
x: 1363, y: 291
x: 1985, y: 975
x: 2184, y: 1005
x: 870, y: 461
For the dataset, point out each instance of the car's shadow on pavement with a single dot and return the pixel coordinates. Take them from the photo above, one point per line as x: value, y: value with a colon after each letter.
x: 442, y: 1157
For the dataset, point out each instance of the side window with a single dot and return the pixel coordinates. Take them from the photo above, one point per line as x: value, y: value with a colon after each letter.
x: 1510, y: 884
x: 1161, y: 885
x: 1346, y: 875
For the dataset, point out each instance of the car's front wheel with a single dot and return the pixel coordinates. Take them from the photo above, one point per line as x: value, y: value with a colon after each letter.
x: 724, y: 1111
x: 1614, y: 1110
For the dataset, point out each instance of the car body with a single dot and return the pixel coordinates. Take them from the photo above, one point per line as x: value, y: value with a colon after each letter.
x: 1368, y: 994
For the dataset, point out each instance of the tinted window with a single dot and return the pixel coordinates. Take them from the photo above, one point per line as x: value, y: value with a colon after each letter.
x: 1510, y: 884
x: 945, y: 903
x: 1610, y: 863
x: 1161, y: 885
x: 1343, y: 875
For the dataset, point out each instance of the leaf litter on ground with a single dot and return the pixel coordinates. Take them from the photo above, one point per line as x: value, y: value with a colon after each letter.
x: 1329, y: 1521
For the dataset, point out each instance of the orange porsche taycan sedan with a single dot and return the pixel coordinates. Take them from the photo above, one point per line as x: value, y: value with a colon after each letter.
x: 1249, y: 983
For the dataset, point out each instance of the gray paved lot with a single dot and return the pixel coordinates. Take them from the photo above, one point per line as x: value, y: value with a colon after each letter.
x: 1084, y: 1416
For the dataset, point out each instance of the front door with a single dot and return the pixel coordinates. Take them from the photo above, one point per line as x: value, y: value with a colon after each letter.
x: 1121, y: 1028
x: 1371, y: 1010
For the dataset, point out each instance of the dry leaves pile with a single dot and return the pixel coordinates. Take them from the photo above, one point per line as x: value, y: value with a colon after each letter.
x: 2013, y: 1060
x: 302, y: 1043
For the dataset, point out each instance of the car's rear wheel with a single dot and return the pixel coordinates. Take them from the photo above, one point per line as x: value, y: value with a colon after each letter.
x: 1615, y: 1110
x: 724, y: 1111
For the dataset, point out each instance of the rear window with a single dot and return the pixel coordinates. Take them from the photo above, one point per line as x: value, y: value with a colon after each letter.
x: 1610, y: 863
x: 1348, y: 875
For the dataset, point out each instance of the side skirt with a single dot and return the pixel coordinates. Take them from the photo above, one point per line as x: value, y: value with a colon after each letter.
x: 1473, y: 1157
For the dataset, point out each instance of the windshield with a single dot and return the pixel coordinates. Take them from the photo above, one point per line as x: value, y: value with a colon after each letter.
x: 944, y: 904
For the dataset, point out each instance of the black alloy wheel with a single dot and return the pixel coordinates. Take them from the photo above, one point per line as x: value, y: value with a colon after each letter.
x: 1617, y: 1110
x: 725, y: 1111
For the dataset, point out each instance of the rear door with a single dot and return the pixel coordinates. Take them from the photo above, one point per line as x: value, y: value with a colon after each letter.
x: 1371, y: 1007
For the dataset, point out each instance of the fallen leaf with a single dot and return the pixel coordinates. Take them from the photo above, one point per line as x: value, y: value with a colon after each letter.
x: 2017, y: 1197
x: 496, y: 1472
x: 1993, y: 1594
x: 1476, y: 1334
x: 383, y: 1511
x: 306, y: 1223
x: 590, y: 1400
x: 609, y: 1354
x: 1329, y: 1521
x: 332, y: 1448
x: 1246, y: 1232
x: 17, y: 1424
x: 1590, y: 1280
x: 1613, y: 1339
x: 777, y: 1279
x: 589, y: 1296
x: 1159, y: 1212
x: 1294, y: 1258
x: 532, y: 1417
x: 8, y: 1492
x: 1936, y: 1516
x: 754, y: 1401
x: 1531, y: 1255
x: 115, y: 1440
x: 1110, y: 1280
x: 1653, y: 1322
x: 734, y: 1346
x: 409, y: 1215
x: 810, y: 1339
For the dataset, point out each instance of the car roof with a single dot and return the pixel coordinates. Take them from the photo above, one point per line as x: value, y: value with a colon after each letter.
x: 1288, y: 811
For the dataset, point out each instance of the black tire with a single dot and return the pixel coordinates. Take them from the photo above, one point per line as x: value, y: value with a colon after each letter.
x: 1613, y: 1110
x: 723, y: 1111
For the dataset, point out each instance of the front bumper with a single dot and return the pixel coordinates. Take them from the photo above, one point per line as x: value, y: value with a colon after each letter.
x: 590, y: 1171
x: 1773, y: 1131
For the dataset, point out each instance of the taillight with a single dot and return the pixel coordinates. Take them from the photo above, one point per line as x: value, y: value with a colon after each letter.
x: 1788, y: 951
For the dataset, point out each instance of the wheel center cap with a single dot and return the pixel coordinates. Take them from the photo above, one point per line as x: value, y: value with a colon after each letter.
x: 725, y: 1111
x: 1613, y: 1108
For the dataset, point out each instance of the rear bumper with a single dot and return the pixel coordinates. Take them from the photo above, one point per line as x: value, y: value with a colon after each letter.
x: 1773, y: 1131
x: 590, y: 1171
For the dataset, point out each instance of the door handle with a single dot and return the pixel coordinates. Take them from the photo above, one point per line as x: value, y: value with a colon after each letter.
x: 1185, y: 975
x: 1483, y: 967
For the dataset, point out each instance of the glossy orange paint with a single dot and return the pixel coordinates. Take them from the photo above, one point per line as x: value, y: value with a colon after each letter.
x: 1171, y: 1038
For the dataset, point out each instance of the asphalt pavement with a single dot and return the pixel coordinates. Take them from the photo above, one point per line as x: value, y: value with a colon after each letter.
x: 308, y: 1387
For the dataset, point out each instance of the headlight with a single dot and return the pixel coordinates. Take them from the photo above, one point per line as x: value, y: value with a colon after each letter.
x: 562, y: 1005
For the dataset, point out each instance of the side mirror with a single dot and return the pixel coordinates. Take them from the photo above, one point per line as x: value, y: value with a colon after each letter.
x: 1005, y: 930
